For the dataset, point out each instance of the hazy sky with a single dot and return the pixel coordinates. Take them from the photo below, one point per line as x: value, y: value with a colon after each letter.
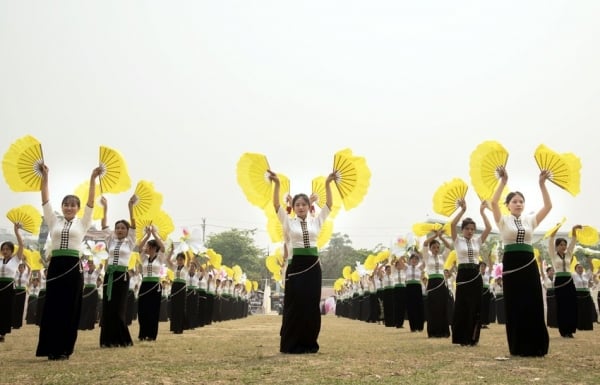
x: 183, y: 88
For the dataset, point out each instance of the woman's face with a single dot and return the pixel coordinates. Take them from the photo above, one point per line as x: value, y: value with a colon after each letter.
x: 301, y: 208
x: 121, y: 230
x: 70, y: 209
x: 434, y: 248
x: 561, y: 247
x: 468, y: 231
x: 516, y: 205
x: 6, y: 251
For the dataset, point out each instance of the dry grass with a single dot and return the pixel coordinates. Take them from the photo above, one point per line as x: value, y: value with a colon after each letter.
x: 352, y: 352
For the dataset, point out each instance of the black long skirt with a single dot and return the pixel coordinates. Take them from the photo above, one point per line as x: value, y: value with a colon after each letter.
x: 486, y: 299
x: 19, y: 308
x: 41, y: 301
x: 30, y: 317
x: 526, y: 330
x: 466, y: 321
x: 201, y: 308
x: 399, y: 305
x: 585, y: 311
x: 113, y: 330
x: 89, y: 308
x: 500, y: 312
x: 131, y: 310
x: 437, y: 303
x: 301, y: 322
x: 566, y: 305
x: 551, y: 315
x: 62, y: 308
x: 7, y: 305
x: 388, y: 306
x: 148, y: 310
x: 177, y: 315
x: 414, y: 307
x: 191, y: 309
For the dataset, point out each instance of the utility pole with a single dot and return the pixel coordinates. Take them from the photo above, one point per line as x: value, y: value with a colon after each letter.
x: 203, y: 229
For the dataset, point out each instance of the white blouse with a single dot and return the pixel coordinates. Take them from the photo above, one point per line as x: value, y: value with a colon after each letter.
x: 10, y: 268
x: 467, y: 247
x: 509, y: 229
x: 74, y: 230
x: 581, y: 281
x: 152, y: 269
x: 293, y: 228
x: 119, y: 250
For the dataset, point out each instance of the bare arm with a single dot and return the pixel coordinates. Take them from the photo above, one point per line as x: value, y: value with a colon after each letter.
x: 19, y: 242
x: 539, y: 217
x: 486, y: 222
x: 496, y: 197
x: 104, y: 221
x: 130, y: 205
x: 454, y: 223
x: 573, y: 241
x: 45, y: 192
x: 92, y: 193
x: 328, y: 195
x: 276, y: 186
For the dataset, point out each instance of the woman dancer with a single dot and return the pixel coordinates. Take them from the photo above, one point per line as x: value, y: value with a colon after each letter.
x: 526, y: 330
x: 64, y: 281
x: 120, y: 243
x: 466, y: 321
x: 8, y: 270
x: 21, y: 282
x: 150, y: 291
x: 437, y: 292
x: 301, y: 314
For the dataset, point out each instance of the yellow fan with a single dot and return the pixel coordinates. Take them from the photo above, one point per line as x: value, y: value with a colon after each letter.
x: 254, y: 285
x: 564, y: 168
x: 382, y: 256
x: 33, y: 258
x: 338, y: 285
x: 484, y: 163
x: 595, y: 264
x: 424, y: 228
x: 325, y: 234
x: 21, y: 165
x: 347, y: 272
x: 253, y: 178
x: 352, y: 177
x: 83, y: 191
x: 248, y: 286
x: 27, y: 216
x: 446, y: 197
x: 355, y: 276
x: 114, y: 177
x: 162, y: 221
x: 272, y: 264
x: 134, y: 260
x: 318, y: 187
x: 555, y: 228
x: 370, y: 262
x: 274, y: 226
x: 587, y: 236
x: 148, y: 201
x: 214, y: 258
x: 450, y: 260
x: 488, y: 200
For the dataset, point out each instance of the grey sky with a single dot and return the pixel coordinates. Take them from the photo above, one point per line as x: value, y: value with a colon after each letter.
x: 182, y: 89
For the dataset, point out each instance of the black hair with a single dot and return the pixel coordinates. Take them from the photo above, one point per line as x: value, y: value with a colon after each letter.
x: 510, y: 196
x: 153, y: 243
x: 123, y: 221
x: 467, y: 221
x: 304, y: 197
x: 558, y: 241
x: 10, y: 245
x: 71, y: 197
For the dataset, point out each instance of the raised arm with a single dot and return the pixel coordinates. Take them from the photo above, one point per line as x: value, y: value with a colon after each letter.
x: 573, y: 241
x: 463, y: 208
x: 487, y: 226
x: 276, y: 186
x: 104, y: 203
x: 45, y: 193
x: 539, y: 217
x: 130, y: 205
x: 19, y: 242
x: 328, y: 195
x: 92, y: 193
x: 159, y: 241
x: 496, y: 197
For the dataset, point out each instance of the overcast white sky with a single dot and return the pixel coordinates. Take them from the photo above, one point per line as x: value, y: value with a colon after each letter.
x: 183, y: 88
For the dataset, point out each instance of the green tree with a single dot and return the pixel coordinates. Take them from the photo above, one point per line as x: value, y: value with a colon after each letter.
x: 338, y: 254
x: 237, y: 248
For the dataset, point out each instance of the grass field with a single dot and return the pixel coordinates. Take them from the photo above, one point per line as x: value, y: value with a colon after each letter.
x: 246, y: 351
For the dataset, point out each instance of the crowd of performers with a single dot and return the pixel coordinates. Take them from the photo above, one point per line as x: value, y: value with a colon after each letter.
x: 72, y: 294
x: 391, y: 297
